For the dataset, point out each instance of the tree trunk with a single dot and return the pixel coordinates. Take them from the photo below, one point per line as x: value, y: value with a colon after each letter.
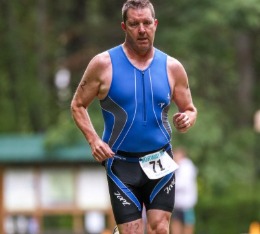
x: 42, y: 67
x: 243, y: 45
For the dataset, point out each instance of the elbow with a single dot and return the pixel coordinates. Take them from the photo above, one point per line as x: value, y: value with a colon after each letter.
x: 193, y: 110
x: 195, y: 113
x: 76, y: 107
x: 192, y: 113
x: 73, y: 107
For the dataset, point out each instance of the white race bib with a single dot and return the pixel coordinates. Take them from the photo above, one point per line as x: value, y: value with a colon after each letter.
x: 157, y: 165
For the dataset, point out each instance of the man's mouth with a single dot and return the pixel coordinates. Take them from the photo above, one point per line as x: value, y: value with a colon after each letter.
x: 142, y: 39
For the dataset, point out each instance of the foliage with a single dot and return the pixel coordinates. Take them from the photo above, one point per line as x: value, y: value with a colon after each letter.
x: 63, y: 134
x: 232, y: 215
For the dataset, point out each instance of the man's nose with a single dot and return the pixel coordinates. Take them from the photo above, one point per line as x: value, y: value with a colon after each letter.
x: 141, y: 28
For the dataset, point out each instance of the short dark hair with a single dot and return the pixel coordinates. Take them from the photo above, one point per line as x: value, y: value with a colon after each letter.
x: 136, y: 4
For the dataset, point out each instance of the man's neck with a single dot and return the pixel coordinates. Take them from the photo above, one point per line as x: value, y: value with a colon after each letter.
x: 140, y: 59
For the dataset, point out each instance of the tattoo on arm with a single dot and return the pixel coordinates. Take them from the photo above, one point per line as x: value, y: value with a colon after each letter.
x: 83, y: 83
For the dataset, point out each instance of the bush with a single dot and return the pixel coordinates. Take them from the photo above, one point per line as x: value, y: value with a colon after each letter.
x: 230, y: 216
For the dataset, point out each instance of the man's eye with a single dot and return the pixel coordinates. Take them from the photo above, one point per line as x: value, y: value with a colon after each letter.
x: 134, y: 24
x: 147, y: 23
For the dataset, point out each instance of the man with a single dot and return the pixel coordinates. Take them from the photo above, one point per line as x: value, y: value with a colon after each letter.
x: 135, y: 84
x: 183, y: 218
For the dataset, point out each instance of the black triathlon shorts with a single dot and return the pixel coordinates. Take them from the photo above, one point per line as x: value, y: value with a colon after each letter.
x: 130, y: 189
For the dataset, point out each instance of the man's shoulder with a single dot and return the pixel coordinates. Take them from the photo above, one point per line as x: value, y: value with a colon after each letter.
x: 101, y: 59
x: 171, y: 60
x: 174, y: 65
x: 104, y: 58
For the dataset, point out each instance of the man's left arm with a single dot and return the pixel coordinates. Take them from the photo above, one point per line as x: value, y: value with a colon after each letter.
x: 181, y: 96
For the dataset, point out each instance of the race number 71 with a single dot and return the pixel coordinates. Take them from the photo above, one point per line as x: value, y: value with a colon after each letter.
x: 157, y: 162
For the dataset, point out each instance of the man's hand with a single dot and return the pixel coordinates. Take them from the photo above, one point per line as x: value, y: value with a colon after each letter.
x: 181, y: 122
x: 101, y: 150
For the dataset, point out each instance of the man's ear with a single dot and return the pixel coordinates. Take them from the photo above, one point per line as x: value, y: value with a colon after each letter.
x: 156, y: 22
x: 123, y: 26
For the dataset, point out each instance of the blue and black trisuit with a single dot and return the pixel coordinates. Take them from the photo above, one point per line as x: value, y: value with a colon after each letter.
x: 136, y: 124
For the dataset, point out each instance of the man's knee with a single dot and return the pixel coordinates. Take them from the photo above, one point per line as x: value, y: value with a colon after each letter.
x: 158, y: 222
x: 158, y: 228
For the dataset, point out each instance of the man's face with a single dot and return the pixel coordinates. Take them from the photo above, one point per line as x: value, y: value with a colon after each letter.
x: 140, y: 29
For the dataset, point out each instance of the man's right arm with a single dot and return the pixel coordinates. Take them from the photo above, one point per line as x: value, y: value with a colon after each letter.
x: 88, y: 89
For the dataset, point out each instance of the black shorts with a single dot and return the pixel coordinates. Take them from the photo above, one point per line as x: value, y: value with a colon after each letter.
x: 130, y: 189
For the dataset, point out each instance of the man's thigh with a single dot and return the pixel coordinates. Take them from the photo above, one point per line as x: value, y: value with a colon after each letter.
x: 130, y: 188
x: 124, y: 188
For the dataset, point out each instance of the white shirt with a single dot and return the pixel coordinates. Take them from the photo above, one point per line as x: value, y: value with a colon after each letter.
x: 186, y: 185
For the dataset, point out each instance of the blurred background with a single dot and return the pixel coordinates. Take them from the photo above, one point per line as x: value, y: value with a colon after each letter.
x: 49, y: 182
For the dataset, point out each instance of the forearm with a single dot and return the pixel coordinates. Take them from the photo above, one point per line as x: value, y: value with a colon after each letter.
x: 185, y: 119
x: 192, y: 113
x: 83, y: 122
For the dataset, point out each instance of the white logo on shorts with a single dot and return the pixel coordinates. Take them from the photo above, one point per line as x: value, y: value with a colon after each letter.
x: 121, y: 199
x: 170, y: 187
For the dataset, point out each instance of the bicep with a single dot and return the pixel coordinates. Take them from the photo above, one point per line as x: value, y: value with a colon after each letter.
x: 181, y: 94
x: 182, y: 97
x: 88, y: 87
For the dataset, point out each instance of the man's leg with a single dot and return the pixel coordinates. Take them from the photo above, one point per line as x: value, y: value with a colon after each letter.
x: 188, y: 229
x: 133, y: 227
x: 189, y: 221
x: 158, y: 221
x: 124, y: 196
x: 176, y: 227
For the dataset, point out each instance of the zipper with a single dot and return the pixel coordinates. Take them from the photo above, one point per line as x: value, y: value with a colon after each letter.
x: 144, y: 101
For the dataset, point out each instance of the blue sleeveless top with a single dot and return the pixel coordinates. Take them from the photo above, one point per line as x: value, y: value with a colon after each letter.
x: 136, y: 108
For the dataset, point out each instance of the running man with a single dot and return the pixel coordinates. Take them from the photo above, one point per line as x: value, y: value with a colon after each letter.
x: 136, y: 83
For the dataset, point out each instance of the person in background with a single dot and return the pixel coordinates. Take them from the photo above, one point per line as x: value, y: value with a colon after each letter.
x: 135, y: 84
x: 186, y: 195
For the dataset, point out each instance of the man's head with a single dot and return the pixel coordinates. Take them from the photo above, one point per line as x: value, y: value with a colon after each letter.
x: 136, y: 4
x: 139, y: 25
